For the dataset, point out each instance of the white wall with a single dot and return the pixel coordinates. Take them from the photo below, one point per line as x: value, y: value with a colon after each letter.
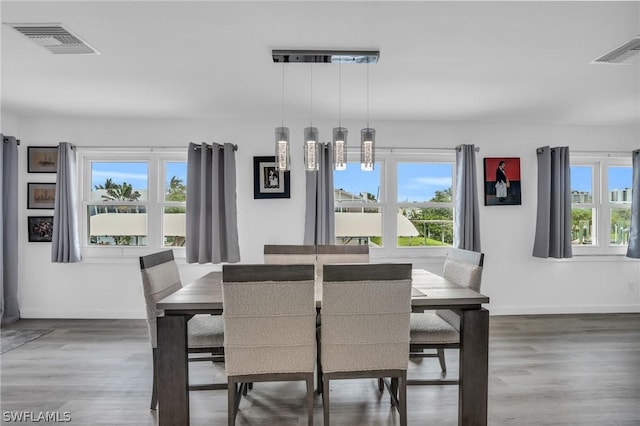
x: 516, y: 282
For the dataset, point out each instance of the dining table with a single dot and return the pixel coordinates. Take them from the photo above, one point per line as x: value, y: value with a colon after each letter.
x: 429, y: 291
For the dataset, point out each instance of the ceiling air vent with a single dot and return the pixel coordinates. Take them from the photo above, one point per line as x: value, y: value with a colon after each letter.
x: 620, y: 54
x: 55, y: 38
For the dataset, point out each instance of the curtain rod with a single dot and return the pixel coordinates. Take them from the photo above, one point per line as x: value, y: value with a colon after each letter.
x: 130, y: 148
x: 5, y: 140
x: 607, y: 153
x: 234, y: 146
x: 420, y: 148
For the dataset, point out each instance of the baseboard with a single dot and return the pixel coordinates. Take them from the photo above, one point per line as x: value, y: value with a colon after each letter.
x: 550, y: 310
x: 82, y: 314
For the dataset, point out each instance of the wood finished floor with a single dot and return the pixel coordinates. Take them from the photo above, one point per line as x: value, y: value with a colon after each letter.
x: 543, y: 370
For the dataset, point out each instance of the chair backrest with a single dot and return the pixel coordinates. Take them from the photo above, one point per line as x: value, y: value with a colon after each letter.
x: 160, y: 278
x: 466, y: 256
x: 331, y: 253
x: 464, y: 267
x: 365, y: 317
x: 289, y: 254
x: 269, y: 319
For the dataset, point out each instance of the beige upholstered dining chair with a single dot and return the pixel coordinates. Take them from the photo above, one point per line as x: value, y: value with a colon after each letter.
x: 160, y: 278
x: 365, y: 327
x: 289, y: 254
x: 349, y: 253
x: 270, y: 325
x: 440, y: 330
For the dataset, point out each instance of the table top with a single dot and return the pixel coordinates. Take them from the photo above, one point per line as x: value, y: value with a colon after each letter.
x: 430, y: 291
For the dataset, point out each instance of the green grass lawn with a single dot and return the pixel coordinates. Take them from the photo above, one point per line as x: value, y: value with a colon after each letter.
x: 419, y: 241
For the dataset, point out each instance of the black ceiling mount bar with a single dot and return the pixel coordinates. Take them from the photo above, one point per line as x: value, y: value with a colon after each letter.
x: 326, y: 56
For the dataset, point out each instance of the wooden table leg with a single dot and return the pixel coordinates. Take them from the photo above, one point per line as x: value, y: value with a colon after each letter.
x: 474, y: 368
x: 173, y: 371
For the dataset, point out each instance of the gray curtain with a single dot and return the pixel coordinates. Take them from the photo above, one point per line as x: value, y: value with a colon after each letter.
x: 320, y: 220
x: 553, y: 224
x: 212, y: 219
x: 467, y: 219
x: 9, y: 310
x: 634, y: 233
x: 65, y: 241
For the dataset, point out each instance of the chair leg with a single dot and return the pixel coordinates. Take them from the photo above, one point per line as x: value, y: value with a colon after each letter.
x: 154, y: 388
x: 318, y: 363
x: 310, y: 400
x: 394, y: 391
x: 325, y: 400
x: 381, y: 384
x: 402, y: 398
x: 231, y: 403
x: 443, y: 365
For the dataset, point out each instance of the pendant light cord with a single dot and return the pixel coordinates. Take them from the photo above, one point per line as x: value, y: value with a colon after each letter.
x: 311, y: 96
x: 340, y: 95
x: 282, y: 103
x: 367, y: 94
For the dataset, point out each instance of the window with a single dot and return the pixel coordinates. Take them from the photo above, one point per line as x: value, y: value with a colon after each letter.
x: 425, y: 200
x: 132, y: 200
x: 358, y: 205
x: 600, y: 204
x: 405, y: 203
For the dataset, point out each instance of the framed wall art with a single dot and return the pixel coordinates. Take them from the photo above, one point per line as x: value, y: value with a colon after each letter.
x: 41, y: 195
x: 40, y: 229
x: 42, y: 159
x: 502, y: 184
x: 267, y: 181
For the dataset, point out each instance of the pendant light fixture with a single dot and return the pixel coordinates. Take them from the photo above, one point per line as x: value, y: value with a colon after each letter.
x: 367, y: 140
x: 340, y: 133
x: 283, y: 161
x: 311, y: 138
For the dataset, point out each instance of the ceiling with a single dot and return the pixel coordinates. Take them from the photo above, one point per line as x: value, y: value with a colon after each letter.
x: 506, y: 62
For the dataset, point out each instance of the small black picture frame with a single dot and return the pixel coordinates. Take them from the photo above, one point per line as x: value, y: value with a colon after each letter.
x: 40, y: 229
x: 269, y: 182
x: 502, y: 184
x: 42, y: 159
x: 41, y: 195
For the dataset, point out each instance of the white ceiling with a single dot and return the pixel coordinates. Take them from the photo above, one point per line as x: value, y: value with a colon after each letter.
x: 476, y: 61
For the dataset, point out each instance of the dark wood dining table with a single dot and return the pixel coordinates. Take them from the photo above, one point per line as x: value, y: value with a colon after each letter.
x: 430, y: 291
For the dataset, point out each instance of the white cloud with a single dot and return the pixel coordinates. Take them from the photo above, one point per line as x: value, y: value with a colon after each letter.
x: 434, y: 181
x: 118, y: 176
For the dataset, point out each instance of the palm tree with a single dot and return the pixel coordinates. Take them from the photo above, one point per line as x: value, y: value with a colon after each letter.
x: 177, y: 190
x: 116, y: 192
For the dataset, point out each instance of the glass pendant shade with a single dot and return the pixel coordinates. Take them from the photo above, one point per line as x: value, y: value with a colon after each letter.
x: 340, y: 148
x: 311, y: 149
x: 367, y: 149
x: 283, y: 162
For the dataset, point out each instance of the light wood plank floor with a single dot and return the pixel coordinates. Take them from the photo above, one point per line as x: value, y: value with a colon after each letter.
x: 544, y: 370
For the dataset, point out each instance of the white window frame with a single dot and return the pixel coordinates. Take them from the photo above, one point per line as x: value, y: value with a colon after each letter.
x: 389, y: 205
x: 600, y: 186
x: 156, y: 159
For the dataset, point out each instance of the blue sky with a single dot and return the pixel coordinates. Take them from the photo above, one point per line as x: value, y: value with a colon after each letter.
x: 134, y: 173
x: 619, y: 178
x: 417, y: 181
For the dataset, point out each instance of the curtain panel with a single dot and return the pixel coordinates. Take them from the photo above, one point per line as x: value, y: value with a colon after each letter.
x: 212, y: 218
x: 467, y: 214
x: 9, y: 309
x: 633, y: 250
x: 65, y: 240
x: 320, y: 220
x: 553, y: 223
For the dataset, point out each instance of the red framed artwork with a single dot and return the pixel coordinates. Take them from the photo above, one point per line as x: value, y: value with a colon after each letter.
x: 502, y: 184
